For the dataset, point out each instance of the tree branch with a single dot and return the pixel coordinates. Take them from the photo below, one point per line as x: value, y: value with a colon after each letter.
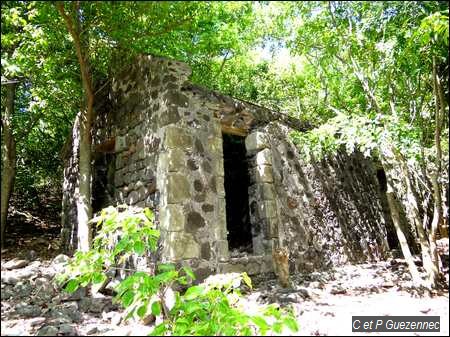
x: 86, y: 78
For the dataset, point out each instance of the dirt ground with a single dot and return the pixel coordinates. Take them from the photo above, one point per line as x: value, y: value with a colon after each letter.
x: 325, y: 305
x: 324, y: 302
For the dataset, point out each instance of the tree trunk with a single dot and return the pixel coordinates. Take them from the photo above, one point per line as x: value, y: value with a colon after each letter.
x: 440, y: 104
x: 395, y: 215
x: 84, y: 207
x: 8, y: 157
x: 428, y: 262
x: 437, y: 190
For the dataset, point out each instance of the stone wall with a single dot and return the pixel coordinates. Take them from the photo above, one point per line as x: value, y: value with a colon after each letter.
x: 327, y: 212
x: 168, y: 156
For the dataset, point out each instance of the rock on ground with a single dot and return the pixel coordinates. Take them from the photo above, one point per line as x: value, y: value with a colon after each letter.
x: 323, y: 302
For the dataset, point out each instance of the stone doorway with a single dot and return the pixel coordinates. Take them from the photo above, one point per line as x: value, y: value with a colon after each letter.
x: 391, y: 234
x: 103, y: 180
x: 236, y: 183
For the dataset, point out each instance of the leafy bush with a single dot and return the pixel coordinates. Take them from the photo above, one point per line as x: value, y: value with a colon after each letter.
x: 214, y: 307
x: 137, y: 236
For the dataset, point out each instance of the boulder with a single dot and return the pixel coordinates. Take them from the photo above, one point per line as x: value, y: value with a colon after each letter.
x: 15, y: 264
x: 27, y: 310
x: 47, y: 330
x: 68, y: 330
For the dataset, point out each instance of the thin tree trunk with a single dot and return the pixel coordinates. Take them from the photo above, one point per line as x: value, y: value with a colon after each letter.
x: 9, y: 157
x: 395, y: 214
x: 437, y: 213
x: 440, y: 105
x: 428, y: 263
x: 84, y: 207
x: 225, y: 59
x: 365, y: 84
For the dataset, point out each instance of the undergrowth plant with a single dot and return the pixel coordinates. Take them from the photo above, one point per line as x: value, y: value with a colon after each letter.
x: 214, y: 307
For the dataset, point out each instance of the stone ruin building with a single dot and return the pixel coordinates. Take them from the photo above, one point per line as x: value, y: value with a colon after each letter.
x: 226, y: 183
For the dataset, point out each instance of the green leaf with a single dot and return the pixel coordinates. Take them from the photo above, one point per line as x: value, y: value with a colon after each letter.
x: 72, y: 286
x: 127, y: 298
x: 153, y: 233
x: 183, y: 321
x: 167, y: 276
x: 85, y: 280
x: 122, y: 245
x: 291, y: 323
x: 156, y: 308
x: 125, y: 284
x: 142, y: 310
x: 192, y: 307
x: 189, y: 272
x: 246, y: 331
x: 149, y: 214
x: 182, y: 280
x: 261, y: 324
x: 139, y: 247
x: 277, y: 327
x: 193, y: 292
x: 166, y: 267
x: 273, y: 310
x: 247, y: 280
x: 98, y: 278
x: 159, y: 330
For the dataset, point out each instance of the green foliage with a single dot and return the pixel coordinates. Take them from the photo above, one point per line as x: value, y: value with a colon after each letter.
x: 342, y: 131
x: 122, y: 231
x: 373, y: 63
x: 214, y: 307
x: 37, y: 49
x: 35, y: 53
x: 136, y: 228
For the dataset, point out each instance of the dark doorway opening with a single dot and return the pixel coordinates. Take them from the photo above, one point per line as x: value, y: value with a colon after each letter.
x: 237, y: 181
x: 103, y: 181
x: 390, y: 230
x: 381, y: 176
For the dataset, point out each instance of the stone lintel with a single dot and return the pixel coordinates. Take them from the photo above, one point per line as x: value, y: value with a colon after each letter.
x: 231, y: 130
